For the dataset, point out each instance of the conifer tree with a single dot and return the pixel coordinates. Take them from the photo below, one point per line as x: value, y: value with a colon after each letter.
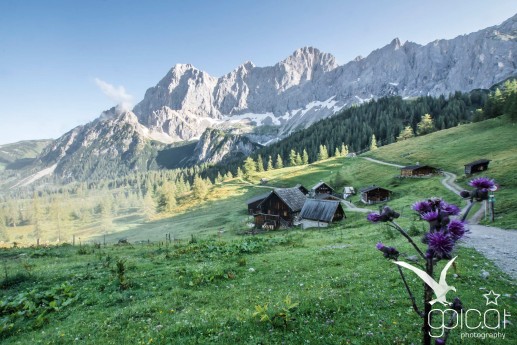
x: 279, y: 162
x: 250, y: 167
x: 228, y: 176
x: 219, y: 177
x: 239, y: 172
x: 426, y: 125
x: 148, y: 207
x: 167, y: 201
x: 269, y: 163
x: 292, y: 158
x: 406, y: 133
x: 298, y: 159
x: 344, y: 150
x: 260, y: 164
x: 337, y: 153
x: 373, y: 145
x: 323, y: 153
x: 305, y: 157
x: 199, y: 188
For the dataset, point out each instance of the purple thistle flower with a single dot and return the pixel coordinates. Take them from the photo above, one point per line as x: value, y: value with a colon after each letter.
x: 450, y: 209
x: 380, y: 245
x: 456, y: 229
x: 374, y: 217
x: 422, y: 206
x: 440, y: 244
x: 430, y: 216
x: 439, y: 341
x: 482, y: 183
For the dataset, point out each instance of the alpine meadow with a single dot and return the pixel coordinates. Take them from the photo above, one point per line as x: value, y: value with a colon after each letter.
x: 305, y: 202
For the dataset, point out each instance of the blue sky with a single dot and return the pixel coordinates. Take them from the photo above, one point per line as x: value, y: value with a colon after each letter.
x: 57, y: 57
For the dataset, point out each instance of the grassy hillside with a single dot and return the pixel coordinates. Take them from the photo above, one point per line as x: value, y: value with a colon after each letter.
x: 17, y: 154
x: 326, y: 286
x: 450, y: 149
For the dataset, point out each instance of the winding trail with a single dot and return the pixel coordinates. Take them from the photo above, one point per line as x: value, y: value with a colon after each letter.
x: 496, y: 244
x: 352, y: 208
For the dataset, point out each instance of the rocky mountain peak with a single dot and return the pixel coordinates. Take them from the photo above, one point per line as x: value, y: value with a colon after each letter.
x: 312, y: 59
x: 396, y: 44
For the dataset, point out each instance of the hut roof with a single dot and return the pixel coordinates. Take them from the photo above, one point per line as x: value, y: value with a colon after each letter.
x: 319, y: 184
x: 374, y: 187
x: 479, y: 161
x: 322, y: 210
x: 293, y: 197
x: 257, y: 198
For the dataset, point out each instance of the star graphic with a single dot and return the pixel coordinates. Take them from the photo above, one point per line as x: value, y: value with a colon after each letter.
x: 492, y: 294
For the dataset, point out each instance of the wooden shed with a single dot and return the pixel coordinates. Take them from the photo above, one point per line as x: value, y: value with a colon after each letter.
x: 280, y: 208
x: 417, y: 171
x: 326, y: 211
x: 374, y: 194
x: 322, y: 188
x: 254, y: 202
x: 476, y: 166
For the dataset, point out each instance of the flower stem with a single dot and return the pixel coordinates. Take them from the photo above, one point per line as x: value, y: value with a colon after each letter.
x: 428, y: 295
x: 449, y: 325
x: 405, y: 234
x: 413, y: 301
x: 467, y: 211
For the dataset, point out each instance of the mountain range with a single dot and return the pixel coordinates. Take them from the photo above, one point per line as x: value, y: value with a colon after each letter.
x: 252, y: 106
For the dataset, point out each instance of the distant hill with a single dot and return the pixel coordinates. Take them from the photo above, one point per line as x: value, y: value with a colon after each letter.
x: 18, y: 155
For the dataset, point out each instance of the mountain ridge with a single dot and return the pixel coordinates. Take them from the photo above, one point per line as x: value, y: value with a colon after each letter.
x: 305, y: 87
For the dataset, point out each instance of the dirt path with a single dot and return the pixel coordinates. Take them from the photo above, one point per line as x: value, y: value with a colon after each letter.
x: 383, y: 163
x: 352, y: 208
x: 496, y: 244
x: 448, y: 182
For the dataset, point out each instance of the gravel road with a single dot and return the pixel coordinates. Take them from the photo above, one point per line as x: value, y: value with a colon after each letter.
x: 496, y: 244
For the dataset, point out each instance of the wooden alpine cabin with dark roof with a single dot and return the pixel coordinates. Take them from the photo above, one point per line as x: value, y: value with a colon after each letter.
x: 324, y: 211
x: 476, y: 166
x: 417, y: 171
x: 374, y: 194
x: 279, y: 208
x: 254, y: 202
x: 321, y: 188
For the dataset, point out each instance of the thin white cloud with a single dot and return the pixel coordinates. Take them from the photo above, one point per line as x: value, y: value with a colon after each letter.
x: 117, y: 94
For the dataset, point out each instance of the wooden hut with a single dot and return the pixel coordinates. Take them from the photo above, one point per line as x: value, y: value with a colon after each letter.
x: 417, y: 171
x: 322, y: 188
x: 476, y: 166
x: 254, y: 202
x: 279, y: 208
x: 325, y: 211
x: 374, y: 194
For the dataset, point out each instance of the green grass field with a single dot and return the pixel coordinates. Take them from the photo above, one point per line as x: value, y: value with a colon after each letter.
x: 450, y: 149
x: 207, y: 292
x: 316, y: 286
